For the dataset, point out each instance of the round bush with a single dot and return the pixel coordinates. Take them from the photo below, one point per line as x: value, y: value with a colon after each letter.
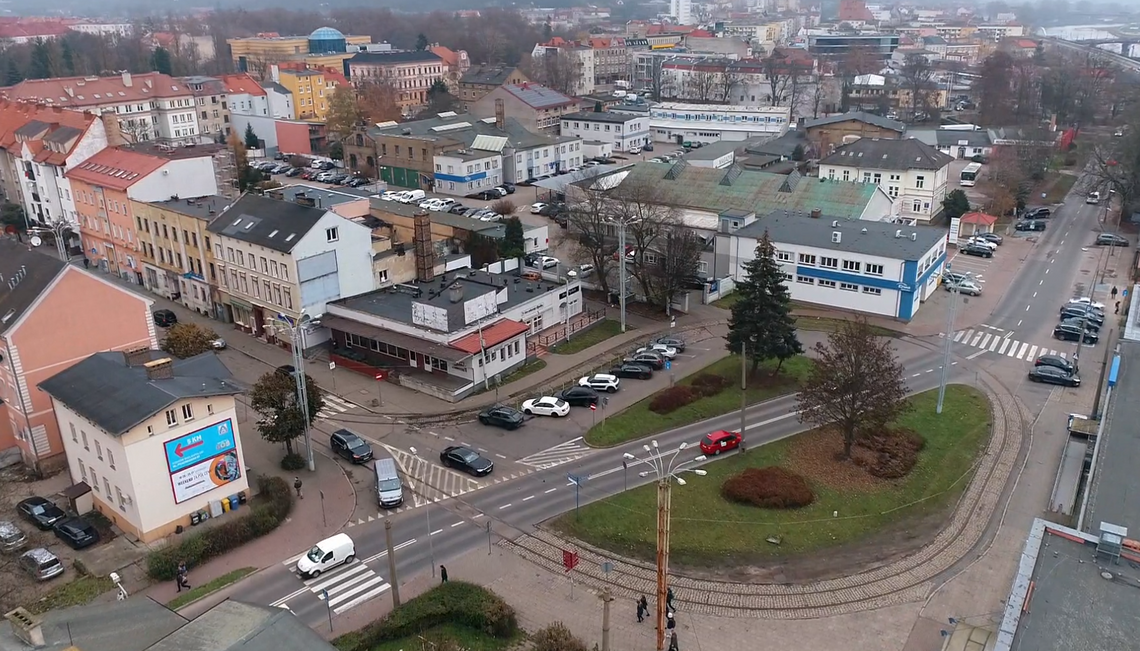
x: 710, y: 384
x: 770, y: 488
x: 890, y: 454
x: 293, y: 462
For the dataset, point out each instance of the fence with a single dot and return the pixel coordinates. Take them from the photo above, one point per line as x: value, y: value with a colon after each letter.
x: 718, y: 289
x: 581, y: 323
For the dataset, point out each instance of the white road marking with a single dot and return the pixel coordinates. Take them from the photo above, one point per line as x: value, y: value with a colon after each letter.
x: 361, y: 599
x: 986, y: 341
x: 958, y: 336
x: 505, y: 506
x: 1005, y: 344
x: 528, y: 498
x: 457, y: 524
x: 1021, y: 353
x: 977, y: 354
x: 994, y: 345
x: 1032, y: 353
x: 549, y: 491
x: 977, y: 338
x: 437, y: 531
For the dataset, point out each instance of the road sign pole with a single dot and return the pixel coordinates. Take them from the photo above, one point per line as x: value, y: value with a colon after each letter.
x: 392, y: 562
x: 328, y: 607
x: 332, y: 372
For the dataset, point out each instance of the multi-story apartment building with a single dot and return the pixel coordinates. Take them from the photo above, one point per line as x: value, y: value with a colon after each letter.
x: 245, y: 96
x: 581, y: 58
x: 537, y: 107
x: 833, y: 45
x: 410, y: 74
x: 914, y: 174
x: 150, y: 106
x: 177, y: 258
x: 611, y: 59
x: 38, y: 144
x: 54, y: 314
x: 466, y: 171
x: 211, y: 107
x: 310, y: 91
x: 105, y: 185
x: 622, y: 131
x: 283, y: 258
x: 477, y: 82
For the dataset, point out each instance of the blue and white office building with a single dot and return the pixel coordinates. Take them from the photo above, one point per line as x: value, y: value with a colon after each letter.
x: 872, y: 267
x: 622, y: 130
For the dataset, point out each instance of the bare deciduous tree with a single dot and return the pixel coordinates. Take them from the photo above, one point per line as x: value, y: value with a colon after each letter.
x: 701, y: 85
x: 556, y: 69
x: 591, y: 226
x: 917, y: 78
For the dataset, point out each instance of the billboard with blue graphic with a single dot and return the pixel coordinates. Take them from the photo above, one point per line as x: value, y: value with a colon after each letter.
x: 196, y: 447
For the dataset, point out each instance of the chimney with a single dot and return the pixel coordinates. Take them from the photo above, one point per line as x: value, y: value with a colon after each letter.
x: 816, y: 213
x: 500, y: 114
x: 455, y: 292
x: 112, y: 129
x: 136, y: 356
x: 27, y: 627
x: 127, y: 79
x: 160, y: 369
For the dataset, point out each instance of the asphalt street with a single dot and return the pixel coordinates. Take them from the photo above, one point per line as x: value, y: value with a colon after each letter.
x: 439, y: 525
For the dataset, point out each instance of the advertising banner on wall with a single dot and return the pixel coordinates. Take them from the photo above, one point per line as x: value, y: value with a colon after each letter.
x: 203, y: 460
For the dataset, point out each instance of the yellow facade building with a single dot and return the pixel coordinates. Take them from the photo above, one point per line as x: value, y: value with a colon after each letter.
x: 324, y: 47
x: 311, y: 93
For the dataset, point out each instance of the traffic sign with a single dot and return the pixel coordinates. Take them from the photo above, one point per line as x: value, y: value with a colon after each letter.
x: 593, y: 406
x: 332, y: 366
x: 569, y: 560
x: 380, y: 375
x: 668, y: 364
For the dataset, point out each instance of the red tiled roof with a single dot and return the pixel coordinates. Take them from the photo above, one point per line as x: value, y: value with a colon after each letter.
x: 1025, y: 43
x: 78, y: 92
x: 14, y: 115
x: 241, y: 82
x: 449, y: 56
x: 493, y: 336
x: 32, y: 29
x: 117, y: 169
x: 979, y: 218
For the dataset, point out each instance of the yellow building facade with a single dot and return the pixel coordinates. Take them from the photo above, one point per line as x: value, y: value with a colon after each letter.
x: 324, y: 47
x: 311, y: 93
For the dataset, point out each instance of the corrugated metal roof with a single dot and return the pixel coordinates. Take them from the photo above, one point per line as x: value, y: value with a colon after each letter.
x: 489, y: 143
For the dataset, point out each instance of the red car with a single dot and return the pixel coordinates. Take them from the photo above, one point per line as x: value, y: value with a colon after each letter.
x: 722, y: 441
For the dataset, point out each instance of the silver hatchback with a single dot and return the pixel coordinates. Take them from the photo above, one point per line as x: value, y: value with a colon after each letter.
x: 12, y: 538
x: 41, y: 564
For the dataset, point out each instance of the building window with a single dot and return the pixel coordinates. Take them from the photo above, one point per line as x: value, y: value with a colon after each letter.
x: 107, y: 485
x: 848, y: 287
x: 110, y: 458
x: 74, y: 435
x: 98, y: 450
x: 806, y: 280
x: 874, y: 269
x: 209, y: 409
x: 85, y: 445
x: 122, y: 502
x: 846, y: 175
x: 94, y: 481
x: 917, y: 206
x: 807, y: 259
x: 851, y: 265
x: 82, y: 470
x: 783, y: 256
x: 332, y: 234
x: 171, y: 417
x: 829, y: 263
x: 920, y: 182
x: 187, y: 412
x: 873, y: 291
x: 830, y: 284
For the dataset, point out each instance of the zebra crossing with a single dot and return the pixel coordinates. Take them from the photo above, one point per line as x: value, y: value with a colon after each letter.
x: 562, y: 453
x: 987, y: 341
x: 344, y: 588
x: 334, y: 406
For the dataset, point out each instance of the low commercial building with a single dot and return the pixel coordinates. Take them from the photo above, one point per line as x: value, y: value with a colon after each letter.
x: 621, y: 130
x: 464, y: 172
x: 869, y: 267
x: 535, y: 106
x: 137, y: 421
x: 827, y: 133
x: 913, y: 173
x: 681, y: 123
x: 477, y: 82
x: 451, y: 335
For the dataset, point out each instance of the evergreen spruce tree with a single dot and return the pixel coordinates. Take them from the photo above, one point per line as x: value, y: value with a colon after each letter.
x: 251, y: 140
x: 762, y: 315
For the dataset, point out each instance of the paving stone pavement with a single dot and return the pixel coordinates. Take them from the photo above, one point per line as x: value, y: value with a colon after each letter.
x: 898, y: 582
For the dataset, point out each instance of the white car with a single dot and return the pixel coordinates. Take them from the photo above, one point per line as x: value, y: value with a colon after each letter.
x: 582, y: 271
x: 536, y: 207
x: 547, y: 262
x: 983, y: 242
x: 600, y: 382
x: 1084, y: 300
x: 389, y: 196
x: 635, y: 150
x: 325, y: 177
x: 668, y: 352
x: 546, y: 406
x: 430, y: 204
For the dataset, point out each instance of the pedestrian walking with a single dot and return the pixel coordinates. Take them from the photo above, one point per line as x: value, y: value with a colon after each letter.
x: 673, y: 642
x: 640, y: 610
x: 670, y: 622
x: 669, y: 599
x: 644, y: 604
x: 443, y: 573
x: 1114, y: 291
x: 297, y: 486
x: 86, y: 263
x: 1118, y: 307
x: 183, y: 578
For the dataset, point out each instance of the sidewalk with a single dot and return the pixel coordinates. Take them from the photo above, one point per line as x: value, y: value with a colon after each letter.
x: 312, y: 518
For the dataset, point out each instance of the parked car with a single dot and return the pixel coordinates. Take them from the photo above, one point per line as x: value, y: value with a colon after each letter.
x: 992, y: 238
x: 509, y: 188
x: 536, y: 208
x: 635, y: 371
x: 1037, y: 213
x: 675, y: 343
x: 581, y: 271
x: 1111, y: 239
x: 1053, y: 375
x: 954, y: 276
x: 349, y: 446
x: 1029, y: 225
x: 296, y: 171
x: 720, y: 441
x: 41, y: 512
x: 389, y: 195
x: 549, y: 262
x: 502, y: 416
x: 1066, y: 332
x: 466, y: 459
x: 1087, y: 324
x: 980, y: 250
x: 668, y: 352
x: 579, y: 396
x: 647, y: 358
x: 635, y: 150
x: 286, y: 369
x: 165, y: 318
x: 601, y: 382
x: 1082, y: 312
x: 218, y: 343
x: 76, y: 532
x: 1056, y: 361
x: 979, y: 241
x: 1092, y: 198
x: 965, y: 286
x: 457, y: 209
x: 40, y: 564
x: 12, y: 538
x: 1084, y: 301
x: 546, y: 406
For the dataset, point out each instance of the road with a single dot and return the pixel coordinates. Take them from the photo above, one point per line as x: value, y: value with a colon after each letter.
x: 504, y: 505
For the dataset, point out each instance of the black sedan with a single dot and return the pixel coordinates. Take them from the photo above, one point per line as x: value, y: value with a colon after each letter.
x: 1081, y: 312
x: 1054, y: 375
x: 1066, y: 332
x: 1087, y: 324
x: 579, y: 396
x: 980, y: 250
x: 466, y: 460
x: 76, y: 532
x: 1055, y: 361
x: 41, y: 512
x: 165, y: 318
x: 635, y: 371
x: 990, y: 237
x: 505, y: 417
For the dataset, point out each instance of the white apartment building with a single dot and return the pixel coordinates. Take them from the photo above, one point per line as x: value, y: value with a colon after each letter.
x: 679, y: 123
x: 621, y: 130
x: 155, y: 438
x: 101, y: 29
x: 467, y: 171
x: 681, y: 11
x: 581, y: 56
x: 863, y: 266
x: 914, y: 174
x: 284, y: 258
x: 544, y: 159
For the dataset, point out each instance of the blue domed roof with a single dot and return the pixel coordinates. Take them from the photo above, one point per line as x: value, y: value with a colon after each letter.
x: 325, y: 33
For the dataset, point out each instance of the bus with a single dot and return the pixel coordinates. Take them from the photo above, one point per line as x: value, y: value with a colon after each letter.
x: 970, y: 174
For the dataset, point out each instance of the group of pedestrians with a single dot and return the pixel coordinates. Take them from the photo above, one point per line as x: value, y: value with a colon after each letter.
x: 670, y: 618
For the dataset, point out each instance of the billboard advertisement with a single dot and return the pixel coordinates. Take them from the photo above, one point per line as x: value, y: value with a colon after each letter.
x: 203, y: 460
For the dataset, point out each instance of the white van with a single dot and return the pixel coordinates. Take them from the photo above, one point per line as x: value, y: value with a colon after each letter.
x: 1093, y: 198
x: 413, y: 196
x: 326, y: 555
x: 389, y: 490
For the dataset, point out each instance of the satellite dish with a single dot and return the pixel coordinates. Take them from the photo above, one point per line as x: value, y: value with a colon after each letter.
x: 36, y: 240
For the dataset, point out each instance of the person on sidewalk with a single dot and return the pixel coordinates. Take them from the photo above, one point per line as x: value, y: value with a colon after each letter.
x: 1118, y: 307
x: 443, y: 574
x: 641, y: 605
x: 297, y: 486
x: 669, y: 599
x: 183, y: 579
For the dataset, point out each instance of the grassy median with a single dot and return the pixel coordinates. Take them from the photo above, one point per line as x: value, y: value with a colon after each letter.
x: 598, y: 333
x: 709, y: 531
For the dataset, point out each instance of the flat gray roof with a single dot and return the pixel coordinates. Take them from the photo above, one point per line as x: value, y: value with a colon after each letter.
x: 206, y: 208
x: 1115, y: 493
x: 325, y: 198
x: 603, y: 116
x: 856, y: 236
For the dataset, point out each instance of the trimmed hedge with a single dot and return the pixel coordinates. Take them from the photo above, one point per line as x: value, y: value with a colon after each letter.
x: 771, y: 487
x: 710, y: 384
x: 275, y: 502
x: 454, y: 602
x: 889, y: 454
x: 702, y: 386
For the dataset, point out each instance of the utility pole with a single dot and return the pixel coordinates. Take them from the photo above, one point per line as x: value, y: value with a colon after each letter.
x: 621, y: 270
x: 664, y: 493
x: 607, y: 599
x: 392, y: 563
x: 743, y: 384
x: 297, y: 332
x: 947, y: 345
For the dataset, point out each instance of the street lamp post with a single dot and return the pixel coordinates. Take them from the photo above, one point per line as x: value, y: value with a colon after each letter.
x: 947, y: 344
x: 297, y: 337
x: 666, y: 469
x: 427, y: 514
x: 621, y: 270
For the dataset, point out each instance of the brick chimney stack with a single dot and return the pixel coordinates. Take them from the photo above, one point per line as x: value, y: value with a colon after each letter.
x: 111, y: 127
